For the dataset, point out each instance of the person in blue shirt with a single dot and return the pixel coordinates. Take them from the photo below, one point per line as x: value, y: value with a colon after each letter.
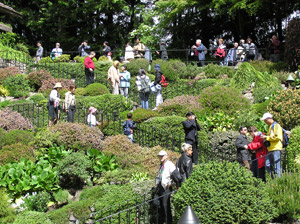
x: 124, y: 81
x: 83, y: 49
x: 200, y: 51
x: 129, y: 126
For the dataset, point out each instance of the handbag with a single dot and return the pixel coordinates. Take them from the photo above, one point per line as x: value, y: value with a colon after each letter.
x: 153, y: 87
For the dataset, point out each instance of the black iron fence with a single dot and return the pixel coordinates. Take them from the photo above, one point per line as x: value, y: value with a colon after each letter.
x: 15, y: 59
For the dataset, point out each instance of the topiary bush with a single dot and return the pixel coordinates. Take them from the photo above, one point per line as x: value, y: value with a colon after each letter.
x: 293, y: 150
x: 284, y: 192
x: 32, y: 217
x: 173, y: 69
x: 9, y: 71
x: 14, y: 152
x: 140, y: 115
x: 134, y: 66
x: 80, y: 92
x: 17, y: 86
x: 284, y: 106
x: 35, y: 78
x: 63, y: 58
x: 225, y: 193
x: 10, y: 120
x: 18, y: 136
x: 78, y: 137
x: 74, y: 171
x: 96, y: 89
x: 223, y: 99
x: 7, y: 213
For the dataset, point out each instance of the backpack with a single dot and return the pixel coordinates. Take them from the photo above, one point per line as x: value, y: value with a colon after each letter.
x: 285, y: 138
x: 145, y: 88
x: 127, y: 130
x: 163, y: 81
x: 176, y: 175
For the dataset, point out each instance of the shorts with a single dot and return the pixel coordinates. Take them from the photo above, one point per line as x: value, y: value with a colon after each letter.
x: 243, y: 155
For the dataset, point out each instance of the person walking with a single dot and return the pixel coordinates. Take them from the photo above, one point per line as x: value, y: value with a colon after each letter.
x: 185, y: 163
x: 191, y: 128
x: 70, y: 104
x: 129, y: 127
x: 114, y: 77
x: 53, y: 104
x: 39, y: 52
x: 124, y: 81
x: 83, y: 48
x: 241, y: 144
x: 143, y: 85
x: 164, y: 188
x: 89, y: 68
x: 200, y: 51
x: 159, y: 98
x: 274, y: 144
x: 162, y: 50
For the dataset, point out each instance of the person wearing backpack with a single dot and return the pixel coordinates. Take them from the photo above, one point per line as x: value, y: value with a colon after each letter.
x: 158, y: 74
x: 185, y: 164
x: 143, y: 85
x: 274, y: 143
x: 164, y: 187
x: 129, y: 126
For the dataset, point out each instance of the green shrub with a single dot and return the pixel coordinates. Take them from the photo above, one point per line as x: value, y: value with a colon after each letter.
x: 3, y: 91
x: 7, y: 213
x: 2, y: 137
x: 80, y: 92
x: 134, y: 66
x: 9, y: 71
x: 140, y: 115
x: 10, y: 120
x: 78, y: 137
x: 213, y: 71
x: 50, y: 83
x: 284, y: 192
x: 249, y: 118
x: 285, y: 108
x: 45, y: 60
x: 293, y: 149
x: 103, y: 58
x: 223, y: 99
x: 35, y: 78
x: 63, y: 58
x: 245, y: 76
x: 79, y: 59
x: 17, y: 86
x: 18, y: 136
x: 173, y: 69
x: 61, y: 196
x: 31, y: 217
x: 14, y: 152
x: 106, y: 102
x: 74, y: 170
x: 268, y: 66
x: 282, y: 76
x: 96, y: 89
x: 260, y: 108
x: 191, y: 71
x: 261, y: 93
x: 216, y: 122
x: 38, y: 99
x: 38, y: 202
x: 224, y: 193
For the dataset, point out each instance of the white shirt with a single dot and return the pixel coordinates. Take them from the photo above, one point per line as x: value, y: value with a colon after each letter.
x: 58, y: 52
x: 169, y: 167
x: 129, y: 53
x: 92, y: 119
x: 53, y: 96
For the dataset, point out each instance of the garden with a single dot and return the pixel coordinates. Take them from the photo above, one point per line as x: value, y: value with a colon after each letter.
x: 50, y: 174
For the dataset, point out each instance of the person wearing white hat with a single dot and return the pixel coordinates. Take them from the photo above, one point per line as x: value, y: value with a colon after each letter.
x: 91, y: 119
x: 273, y: 141
x: 163, y: 182
x: 53, y: 104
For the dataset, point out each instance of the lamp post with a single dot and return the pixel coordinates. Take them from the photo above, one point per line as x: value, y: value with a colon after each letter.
x: 290, y: 80
x: 189, y: 217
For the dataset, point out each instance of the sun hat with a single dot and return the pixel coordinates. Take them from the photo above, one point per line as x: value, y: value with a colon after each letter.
x: 57, y: 85
x: 162, y: 153
x: 266, y: 116
x: 92, y: 110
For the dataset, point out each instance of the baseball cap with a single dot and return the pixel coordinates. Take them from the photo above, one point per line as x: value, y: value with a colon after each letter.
x: 266, y: 116
x: 162, y: 153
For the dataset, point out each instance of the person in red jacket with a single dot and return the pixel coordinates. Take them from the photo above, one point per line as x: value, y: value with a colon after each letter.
x: 261, y: 151
x: 89, y: 68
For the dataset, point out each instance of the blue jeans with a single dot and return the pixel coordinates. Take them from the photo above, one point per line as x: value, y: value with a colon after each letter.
x: 130, y: 137
x: 144, y: 100
x: 273, y: 158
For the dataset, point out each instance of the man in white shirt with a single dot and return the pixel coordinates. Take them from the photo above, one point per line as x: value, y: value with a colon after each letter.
x: 57, y: 51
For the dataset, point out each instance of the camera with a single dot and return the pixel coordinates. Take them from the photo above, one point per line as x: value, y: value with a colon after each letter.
x: 267, y: 143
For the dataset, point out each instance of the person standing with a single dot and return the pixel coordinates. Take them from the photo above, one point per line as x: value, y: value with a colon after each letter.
x: 232, y: 55
x: 274, y: 140
x: 89, y: 68
x: 70, y: 104
x: 83, y: 48
x: 39, y: 52
x: 251, y: 50
x: 129, y: 126
x: 139, y: 49
x: 220, y: 52
x: 107, y: 50
x: 241, y: 51
x: 159, y: 98
x: 124, y: 81
x: 91, y: 119
x: 200, y: 51
x: 129, y: 52
x: 143, y: 85
x: 241, y: 144
x: 114, y: 77
x: 191, y: 128
x: 274, y: 47
x: 185, y: 163
x: 53, y: 104
x: 57, y: 51
x: 164, y: 187
x: 162, y: 50
x: 261, y: 151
